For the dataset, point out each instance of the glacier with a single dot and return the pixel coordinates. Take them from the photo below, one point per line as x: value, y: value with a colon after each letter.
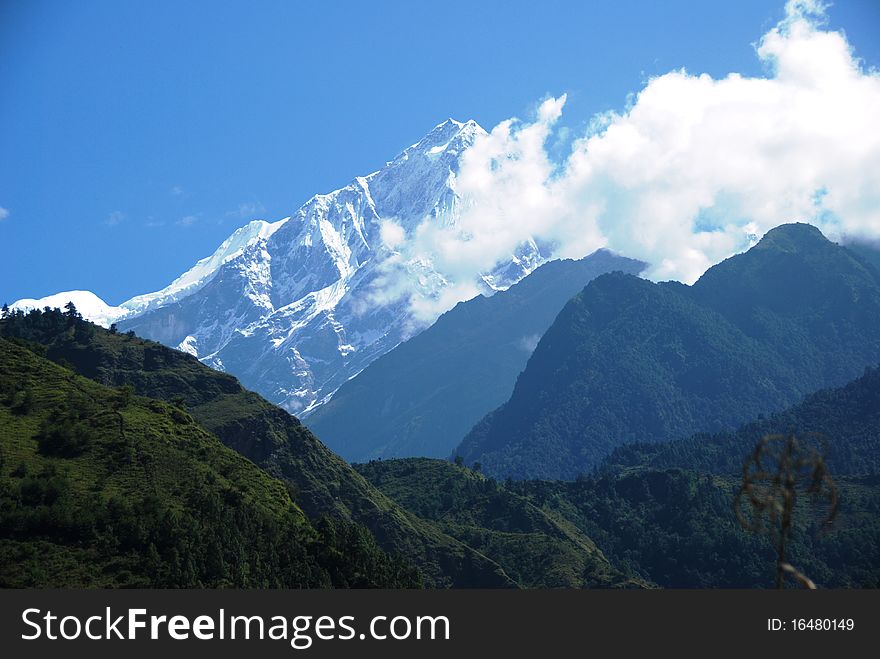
x: 290, y: 307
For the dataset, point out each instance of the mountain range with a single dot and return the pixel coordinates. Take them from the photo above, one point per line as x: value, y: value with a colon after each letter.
x: 574, y: 425
x: 119, y: 467
x: 293, y: 307
x: 422, y: 397
x: 628, y: 360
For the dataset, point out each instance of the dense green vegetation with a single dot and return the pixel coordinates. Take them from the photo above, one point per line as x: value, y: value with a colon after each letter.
x: 421, y: 398
x: 678, y: 529
x: 628, y: 360
x: 846, y: 420
x: 663, y: 513
x: 535, y: 547
x: 103, y: 488
x: 320, y: 482
x: 670, y: 528
x: 691, y: 518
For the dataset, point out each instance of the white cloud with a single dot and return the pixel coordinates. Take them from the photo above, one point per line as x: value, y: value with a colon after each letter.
x: 188, y: 220
x: 699, y: 165
x: 177, y: 191
x: 115, y: 218
x: 392, y: 234
x: 4, y: 213
x: 692, y: 171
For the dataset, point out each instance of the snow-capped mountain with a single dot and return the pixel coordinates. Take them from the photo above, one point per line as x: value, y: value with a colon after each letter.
x: 96, y: 310
x: 86, y: 302
x: 290, y: 307
x: 205, y: 269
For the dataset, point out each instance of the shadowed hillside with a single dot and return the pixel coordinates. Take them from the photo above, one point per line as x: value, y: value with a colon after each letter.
x: 628, y: 360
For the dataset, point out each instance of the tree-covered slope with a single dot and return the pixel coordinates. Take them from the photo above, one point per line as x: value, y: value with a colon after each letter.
x: 678, y: 529
x: 421, y: 398
x: 535, y: 547
x: 320, y: 482
x: 101, y: 488
x: 868, y: 251
x: 671, y: 528
x: 632, y: 361
x: 812, y: 302
x: 846, y: 420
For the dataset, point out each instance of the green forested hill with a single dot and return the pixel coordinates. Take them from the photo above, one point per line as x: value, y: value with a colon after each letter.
x: 319, y: 481
x: 421, y: 398
x: 663, y: 513
x: 628, y: 360
x: 846, y: 420
x: 814, y: 303
x: 671, y: 528
x: 536, y: 547
x: 102, y: 488
x: 678, y: 529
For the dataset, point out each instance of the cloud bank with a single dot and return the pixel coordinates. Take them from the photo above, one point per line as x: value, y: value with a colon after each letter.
x: 694, y: 170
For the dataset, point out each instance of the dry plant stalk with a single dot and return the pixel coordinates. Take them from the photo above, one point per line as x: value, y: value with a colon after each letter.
x: 779, y: 469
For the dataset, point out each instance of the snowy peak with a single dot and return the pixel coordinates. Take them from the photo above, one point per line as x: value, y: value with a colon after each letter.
x: 450, y: 135
x: 89, y: 305
x: 205, y: 269
x: 420, y: 181
x: 96, y: 310
x: 296, y: 307
x: 333, y: 235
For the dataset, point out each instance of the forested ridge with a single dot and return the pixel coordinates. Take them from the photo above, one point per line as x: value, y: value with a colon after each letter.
x: 320, y: 482
x: 628, y: 360
x: 103, y: 488
x: 844, y: 421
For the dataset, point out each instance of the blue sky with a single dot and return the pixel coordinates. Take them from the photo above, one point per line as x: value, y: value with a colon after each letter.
x: 135, y: 136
